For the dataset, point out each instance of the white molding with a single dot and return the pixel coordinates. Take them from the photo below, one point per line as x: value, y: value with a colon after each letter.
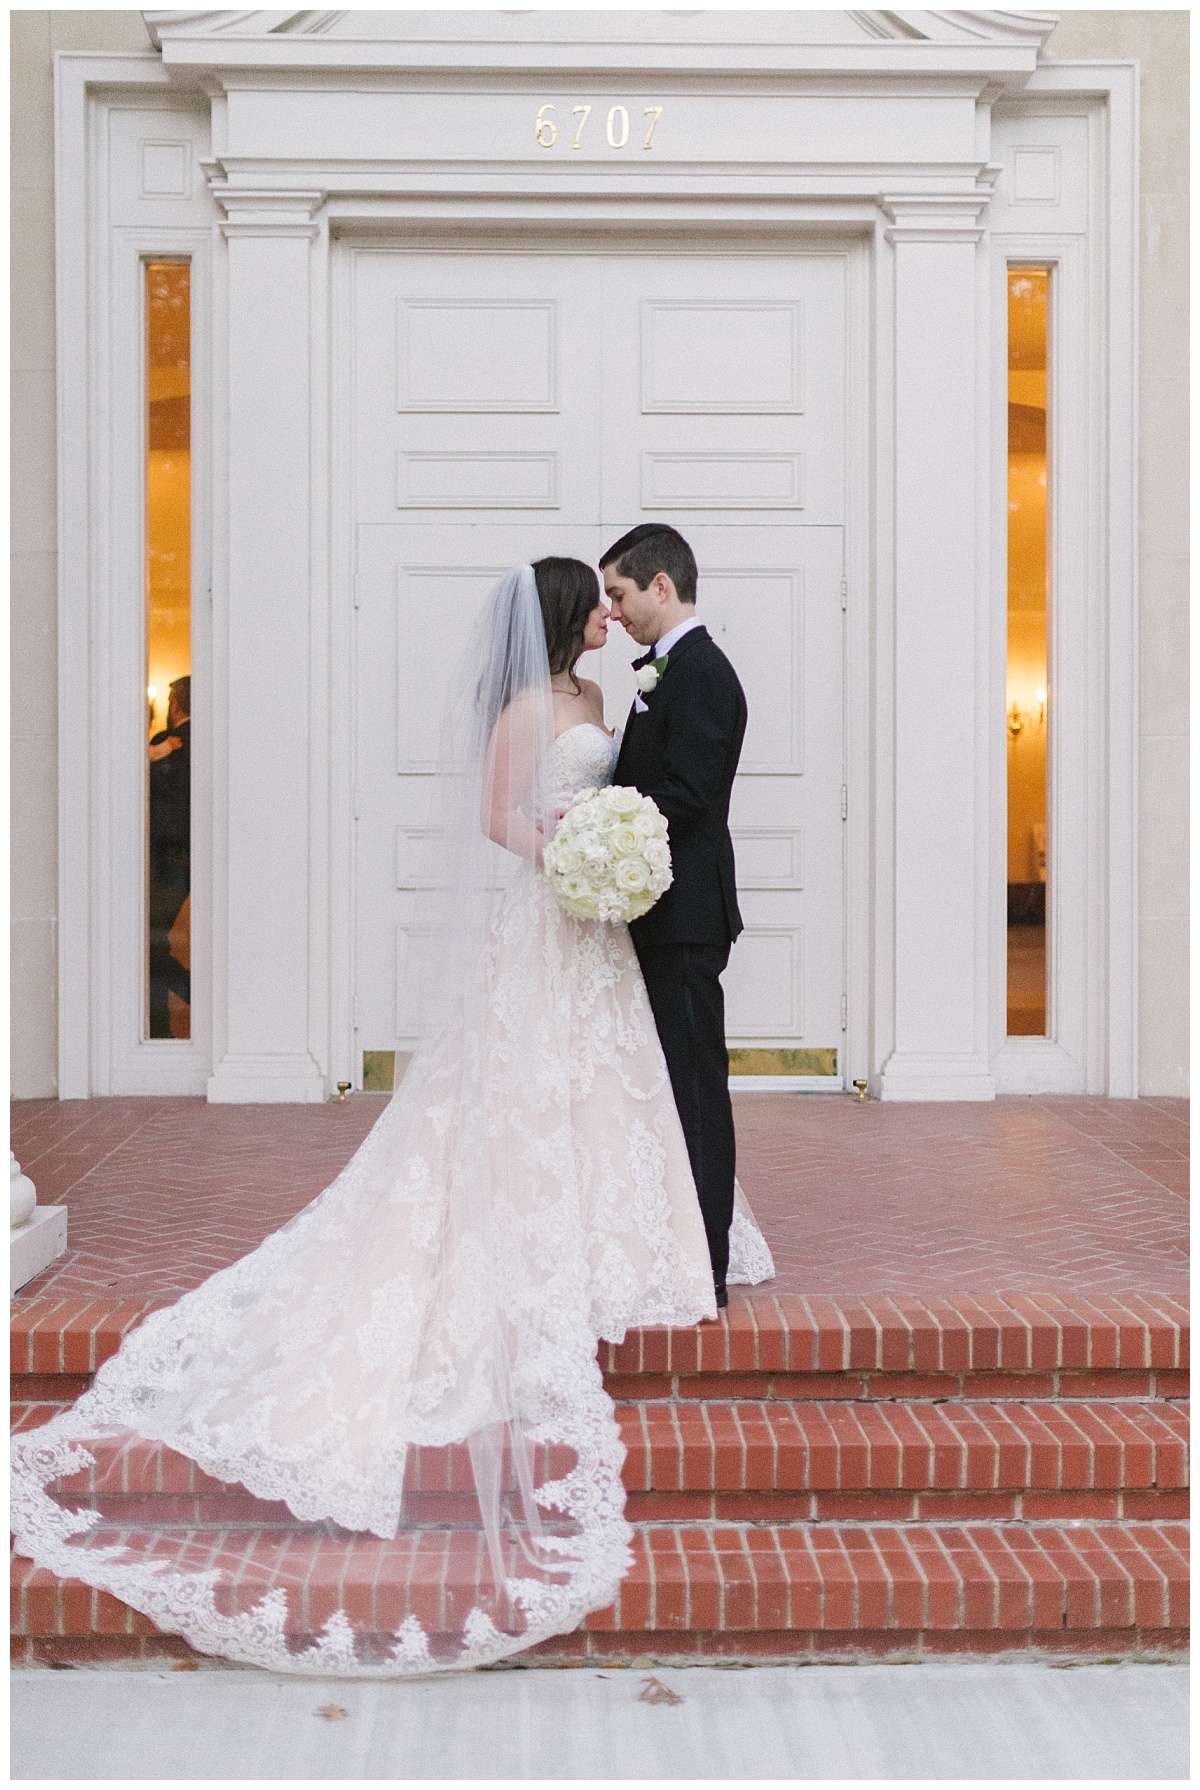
x: 1102, y: 829
x: 937, y: 217
x: 263, y: 212
x: 245, y: 1078
x: 875, y: 211
x: 786, y: 1084
x: 124, y: 1060
x: 933, y: 752
x: 935, y: 1075
x: 792, y: 42
x: 101, y: 1050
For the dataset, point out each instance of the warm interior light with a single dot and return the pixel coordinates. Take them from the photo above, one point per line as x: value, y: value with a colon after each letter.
x: 168, y: 644
x: 1028, y: 564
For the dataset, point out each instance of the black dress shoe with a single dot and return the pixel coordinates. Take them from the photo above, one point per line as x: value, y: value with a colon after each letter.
x: 722, y: 1295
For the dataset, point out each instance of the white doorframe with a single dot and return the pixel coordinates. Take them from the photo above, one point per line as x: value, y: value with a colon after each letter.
x: 1092, y: 1046
x: 101, y: 604
x: 93, y: 774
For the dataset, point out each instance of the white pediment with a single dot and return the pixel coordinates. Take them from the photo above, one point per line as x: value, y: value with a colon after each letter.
x: 364, y: 37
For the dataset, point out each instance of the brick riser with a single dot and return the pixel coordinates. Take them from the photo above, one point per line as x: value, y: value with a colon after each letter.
x: 740, y: 1589
x: 776, y: 1463
x: 939, y: 1346
x: 868, y: 1388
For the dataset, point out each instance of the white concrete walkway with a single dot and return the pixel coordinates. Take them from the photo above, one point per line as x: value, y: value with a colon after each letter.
x: 968, y: 1719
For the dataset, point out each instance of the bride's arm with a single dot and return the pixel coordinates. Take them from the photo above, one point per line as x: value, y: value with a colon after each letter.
x: 518, y: 744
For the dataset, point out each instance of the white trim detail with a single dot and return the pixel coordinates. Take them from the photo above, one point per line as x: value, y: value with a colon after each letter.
x: 916, y: 204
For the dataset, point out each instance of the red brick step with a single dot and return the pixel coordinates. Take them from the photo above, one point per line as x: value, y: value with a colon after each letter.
x: 709, y: 1588
x: 779, y: 1346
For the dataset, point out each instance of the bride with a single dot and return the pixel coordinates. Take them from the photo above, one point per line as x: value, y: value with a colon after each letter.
x: 380, y: 1443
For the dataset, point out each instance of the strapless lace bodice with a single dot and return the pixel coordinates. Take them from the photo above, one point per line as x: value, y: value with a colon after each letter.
x: 584, y: 758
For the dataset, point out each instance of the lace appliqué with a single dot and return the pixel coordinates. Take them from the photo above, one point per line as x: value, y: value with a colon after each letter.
x: 389, y: 1318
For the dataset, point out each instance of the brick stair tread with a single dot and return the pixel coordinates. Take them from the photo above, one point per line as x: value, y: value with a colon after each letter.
x: 773, y: 1334
x: 728, y: 1578
x: 780, y: 1447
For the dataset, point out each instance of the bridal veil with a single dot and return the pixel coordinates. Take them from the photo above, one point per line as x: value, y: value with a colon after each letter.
x: 380, y: 1443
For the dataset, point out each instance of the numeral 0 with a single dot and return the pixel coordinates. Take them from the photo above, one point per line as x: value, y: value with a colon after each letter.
x: 615, y: 142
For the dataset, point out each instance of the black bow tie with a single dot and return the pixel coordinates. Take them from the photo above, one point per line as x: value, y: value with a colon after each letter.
x: 644, y: 660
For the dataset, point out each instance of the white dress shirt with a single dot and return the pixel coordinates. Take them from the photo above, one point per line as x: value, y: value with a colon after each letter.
x: 674, y: 636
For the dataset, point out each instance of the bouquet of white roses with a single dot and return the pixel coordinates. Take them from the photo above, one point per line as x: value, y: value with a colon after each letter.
x: 609, y: 859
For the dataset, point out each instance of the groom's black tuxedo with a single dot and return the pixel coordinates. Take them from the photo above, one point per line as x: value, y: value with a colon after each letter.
x: 683, y: 751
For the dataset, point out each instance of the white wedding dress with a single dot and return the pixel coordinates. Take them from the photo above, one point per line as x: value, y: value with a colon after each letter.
x: 405, y: 1388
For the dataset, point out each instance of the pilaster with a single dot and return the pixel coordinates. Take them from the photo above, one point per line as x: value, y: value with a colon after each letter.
x: 939, y: 762
x: 264, y: 716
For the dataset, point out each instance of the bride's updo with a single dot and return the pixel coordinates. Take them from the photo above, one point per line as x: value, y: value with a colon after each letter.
x: 568, y: 592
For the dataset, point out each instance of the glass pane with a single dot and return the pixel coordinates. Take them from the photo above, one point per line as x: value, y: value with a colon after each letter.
x: 168, y: 648
x: 1026, y: 697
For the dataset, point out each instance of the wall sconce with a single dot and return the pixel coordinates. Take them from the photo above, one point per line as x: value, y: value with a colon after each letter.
x: 1019, y: 719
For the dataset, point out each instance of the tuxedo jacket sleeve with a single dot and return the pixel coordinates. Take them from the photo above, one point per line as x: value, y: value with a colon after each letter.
x: 683, y: 752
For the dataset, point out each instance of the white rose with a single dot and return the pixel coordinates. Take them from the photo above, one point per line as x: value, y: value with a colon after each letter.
x: 647, y: 678
x: 631, y: 876
x: 625, y: 841
x: 657, y: 854
x: 624, y: 801
x: 566, y: 859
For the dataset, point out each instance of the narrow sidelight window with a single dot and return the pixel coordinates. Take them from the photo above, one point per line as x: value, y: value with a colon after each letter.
x: 1027, y: 693
x: 168, y: 649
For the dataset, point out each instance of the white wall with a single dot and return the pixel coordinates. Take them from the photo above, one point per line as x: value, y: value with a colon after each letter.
x: 1158, y: 39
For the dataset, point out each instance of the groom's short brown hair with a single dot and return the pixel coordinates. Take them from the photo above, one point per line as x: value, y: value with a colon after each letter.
x: 652, y: 547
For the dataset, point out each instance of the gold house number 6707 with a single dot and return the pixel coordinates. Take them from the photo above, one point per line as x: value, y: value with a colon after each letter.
x: 616, y: 126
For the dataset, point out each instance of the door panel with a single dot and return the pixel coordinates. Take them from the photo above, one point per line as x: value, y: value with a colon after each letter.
x: 508, y: 407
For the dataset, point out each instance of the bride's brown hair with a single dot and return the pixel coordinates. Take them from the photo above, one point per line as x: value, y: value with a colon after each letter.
x: 568, y: 592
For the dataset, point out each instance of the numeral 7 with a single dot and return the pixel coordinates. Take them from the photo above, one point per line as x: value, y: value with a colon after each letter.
x: 657, y: 114
x: 586, y: 110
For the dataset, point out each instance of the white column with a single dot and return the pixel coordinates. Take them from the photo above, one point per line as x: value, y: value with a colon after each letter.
x: 939, y: 1046
x: 263, y: 701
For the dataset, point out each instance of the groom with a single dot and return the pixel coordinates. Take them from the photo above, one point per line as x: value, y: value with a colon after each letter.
x: 681, y: 746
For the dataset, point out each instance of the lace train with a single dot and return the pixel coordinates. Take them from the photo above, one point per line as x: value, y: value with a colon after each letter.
x: 380, y: 1444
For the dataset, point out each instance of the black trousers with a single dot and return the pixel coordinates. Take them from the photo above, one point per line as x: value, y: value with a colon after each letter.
x: 688, y: 1003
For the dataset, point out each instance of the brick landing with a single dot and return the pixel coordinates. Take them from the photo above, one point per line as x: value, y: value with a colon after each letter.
x: 954, y: 1422
x: 1059, y: 1196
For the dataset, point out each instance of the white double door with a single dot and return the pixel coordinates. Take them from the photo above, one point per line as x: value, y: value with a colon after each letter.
x: 510, y: 406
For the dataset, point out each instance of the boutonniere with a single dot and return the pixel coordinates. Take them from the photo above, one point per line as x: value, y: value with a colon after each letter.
x: 651, y: 676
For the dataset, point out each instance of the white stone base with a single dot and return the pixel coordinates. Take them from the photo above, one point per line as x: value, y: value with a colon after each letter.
x: 928, y: 1075
x: 36, y: 1244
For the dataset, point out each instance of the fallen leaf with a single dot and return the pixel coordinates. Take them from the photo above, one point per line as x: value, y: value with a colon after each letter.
x: 186, y: 1665
x: 333, y: 1712
x: 655, y: 1691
